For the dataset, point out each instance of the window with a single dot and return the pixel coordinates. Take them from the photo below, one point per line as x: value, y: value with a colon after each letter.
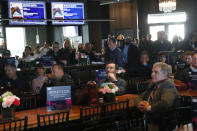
x: 167, y: 18
x: 70, y: 31
x: 15, y: 37
x: 154, y: 30
x: 177, y: 29
x: 171, y: 23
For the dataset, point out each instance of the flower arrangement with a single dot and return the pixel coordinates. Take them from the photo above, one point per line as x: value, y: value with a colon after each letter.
x: 80, y: 56
x: 8, y: 99
x: 121, y: 70
x: 109, y: 88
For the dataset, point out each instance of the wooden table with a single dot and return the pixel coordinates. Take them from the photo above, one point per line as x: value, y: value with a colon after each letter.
x: 188, y: 93
x: 74, y: 112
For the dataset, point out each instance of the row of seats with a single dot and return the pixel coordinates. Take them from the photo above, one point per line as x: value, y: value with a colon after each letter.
x: 97, y: 117
x: 109, y: 116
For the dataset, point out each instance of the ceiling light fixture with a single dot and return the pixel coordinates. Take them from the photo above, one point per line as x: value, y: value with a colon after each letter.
x: 167, y: 5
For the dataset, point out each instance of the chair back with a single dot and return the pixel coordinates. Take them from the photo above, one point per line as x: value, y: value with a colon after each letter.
x: 115, y: 107
x: 114, y: 114
x: 92, y: 112
x: 26, y: 103
x: 14, y: 125
x: 31, y: 102
x: 81, y: 77
x: 103, y: 116
x: 184, y: 111
x: 53, y: 121
x: 137, y: 85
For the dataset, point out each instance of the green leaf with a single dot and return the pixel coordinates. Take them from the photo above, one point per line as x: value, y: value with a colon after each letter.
x: 110, y: 86
x: 1, y: 99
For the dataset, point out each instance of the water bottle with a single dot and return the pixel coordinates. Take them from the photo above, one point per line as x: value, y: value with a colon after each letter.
x: 9, y: 84
x: 88, y: 59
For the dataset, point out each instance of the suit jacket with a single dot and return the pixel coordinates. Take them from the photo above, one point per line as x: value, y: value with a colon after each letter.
x: 116, y: 56
x: 133, y: 60
x: 162, y: 98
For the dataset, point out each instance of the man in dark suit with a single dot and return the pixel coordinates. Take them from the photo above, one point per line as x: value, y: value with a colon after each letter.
x: 55, y: 52
x: 115, y: 53
x: 133, y: 60
x: 159, y: 99
x: 161, y: 44
x: 190, y: 44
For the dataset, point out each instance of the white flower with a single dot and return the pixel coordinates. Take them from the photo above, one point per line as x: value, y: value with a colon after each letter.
x: 4, y: 105
x: 7, y: 94
x: 8, y: 99
x: 116, y: 88
x: 113, y: 90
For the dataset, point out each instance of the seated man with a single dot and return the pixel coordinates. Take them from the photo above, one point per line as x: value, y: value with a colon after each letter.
x: 3, y: 61
x: 189, y: 74
x: 181, y: 63
x: 111, y: 68
x: 59, y: 78
x: 158, y: 99
x: 188, y: 59
x: 54, y: 52
x: 12, y: 80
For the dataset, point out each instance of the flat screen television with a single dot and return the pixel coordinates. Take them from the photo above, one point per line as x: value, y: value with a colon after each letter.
x: 67, y: 10
x: 27, y: 10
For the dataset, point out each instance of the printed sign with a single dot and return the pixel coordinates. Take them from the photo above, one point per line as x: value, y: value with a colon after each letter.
x: 58, y: 98
x: 101, y: 74
x: 47, y: 60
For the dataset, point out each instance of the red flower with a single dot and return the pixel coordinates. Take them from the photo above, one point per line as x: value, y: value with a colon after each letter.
x: 16, y: 102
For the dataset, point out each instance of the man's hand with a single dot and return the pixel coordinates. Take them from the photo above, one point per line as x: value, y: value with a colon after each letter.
x: 111, y: 77
x: 143, y: 106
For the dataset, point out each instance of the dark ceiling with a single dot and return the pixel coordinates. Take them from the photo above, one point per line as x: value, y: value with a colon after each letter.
x: 102, y: 2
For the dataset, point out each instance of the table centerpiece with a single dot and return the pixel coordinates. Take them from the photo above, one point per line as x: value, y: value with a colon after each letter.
x: 9, y: 101
x: 108, y: 91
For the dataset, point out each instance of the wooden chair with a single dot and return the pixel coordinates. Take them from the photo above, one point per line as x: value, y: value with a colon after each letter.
x: 90, y: 117
x: 137, y: 85
x: 107, y: 116
x: 26, y: 103
x: 184, y: 111
x: 141, y: 87
x: 115, y: 115
x: 53, y: 121
x: 81, y: 77
x: 14, y: 125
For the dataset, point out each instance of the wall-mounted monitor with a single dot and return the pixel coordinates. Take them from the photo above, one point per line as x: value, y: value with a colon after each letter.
x: 27, y: 10
x: 67, y: 10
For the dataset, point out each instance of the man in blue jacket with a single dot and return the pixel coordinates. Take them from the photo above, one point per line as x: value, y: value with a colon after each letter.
x: 115, y: 54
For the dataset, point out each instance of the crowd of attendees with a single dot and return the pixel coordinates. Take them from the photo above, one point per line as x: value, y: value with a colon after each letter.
x: 136, y: 58
x: 140, y: 58
x: 64, y: 55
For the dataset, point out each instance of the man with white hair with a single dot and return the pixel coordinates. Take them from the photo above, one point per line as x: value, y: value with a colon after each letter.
x: 158, y: 99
